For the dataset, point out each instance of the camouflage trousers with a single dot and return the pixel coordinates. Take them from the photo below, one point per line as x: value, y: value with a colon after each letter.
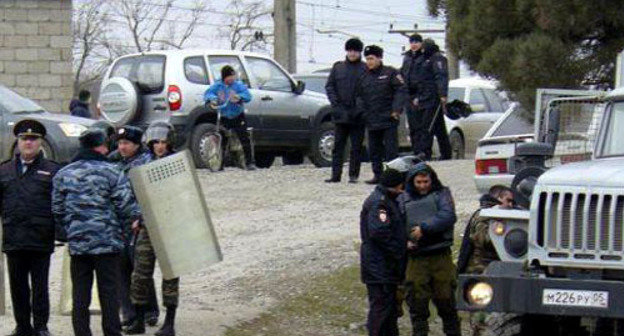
x: 143, y: 275
x: 432, y: 278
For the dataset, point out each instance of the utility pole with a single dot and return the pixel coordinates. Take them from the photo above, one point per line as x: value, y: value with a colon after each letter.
x: 453, y: 60
x: 285, y: 24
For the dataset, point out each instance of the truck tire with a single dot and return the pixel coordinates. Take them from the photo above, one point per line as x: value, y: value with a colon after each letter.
x: 322, y: 145
x: 205, y: 148
x: 522, y: 182
x: 292, y: 159
x: 501, y: 324
x: 498, y: 324
x: 264, y: 160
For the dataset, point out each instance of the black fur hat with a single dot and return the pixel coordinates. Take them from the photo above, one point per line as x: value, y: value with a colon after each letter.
x: 373, y: 50
x: 91, y: 138
x: 354, y: 44
x: 130, y: 133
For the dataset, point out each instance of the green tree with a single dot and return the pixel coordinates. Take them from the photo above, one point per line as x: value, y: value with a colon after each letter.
x: 528, y: 44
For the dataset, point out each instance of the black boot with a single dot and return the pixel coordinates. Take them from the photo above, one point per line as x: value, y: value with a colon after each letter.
x: 138, y: 325
x: 168, y: 327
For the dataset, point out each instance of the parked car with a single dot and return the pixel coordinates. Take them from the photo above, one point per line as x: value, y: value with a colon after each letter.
x: 464, y: 133
x: 286, y: 120
x: 494, y: 159
x: 61, y: 142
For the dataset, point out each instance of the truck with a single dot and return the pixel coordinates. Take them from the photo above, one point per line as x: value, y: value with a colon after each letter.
x: 561, y: 260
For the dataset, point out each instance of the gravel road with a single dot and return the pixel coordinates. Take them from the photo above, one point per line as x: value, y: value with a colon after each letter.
x: 276, y: 226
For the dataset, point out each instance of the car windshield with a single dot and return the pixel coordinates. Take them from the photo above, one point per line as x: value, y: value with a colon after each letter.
x: 316, y: 84
x: 613, y: 144
x: 517, y: 122
x: 14, y: 103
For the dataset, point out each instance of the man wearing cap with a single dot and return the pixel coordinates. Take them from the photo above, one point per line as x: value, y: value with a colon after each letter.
x: 381, y: 95
x: 347, y: 119
x: 94, y: 203
x: 426, y: 74
x: 131, y: 153
x: 236, y: 94
x: 382, y: 254
x: 28, y: 228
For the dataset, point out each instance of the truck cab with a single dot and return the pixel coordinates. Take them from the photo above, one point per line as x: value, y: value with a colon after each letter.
x: 561, y: 267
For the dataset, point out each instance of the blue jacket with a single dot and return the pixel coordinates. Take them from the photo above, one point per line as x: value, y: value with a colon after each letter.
x: 92, y: 201
x: 384, y: 240
x: 438, y: 231
x: 220, y: 92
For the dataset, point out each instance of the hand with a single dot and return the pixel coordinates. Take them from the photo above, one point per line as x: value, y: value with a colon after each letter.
x: 416, y: 233
x: 443, y: 100
x: 213, y: 105
x: 411, y: 245
x: 136, y: 226
x: 395, y: 115
x: 235, y: 98
x: 415, y: 102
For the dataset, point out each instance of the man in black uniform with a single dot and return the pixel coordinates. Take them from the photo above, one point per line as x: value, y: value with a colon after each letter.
x: 383, y: 252
x: 426, y: 73
x: 381, y: 95
x: 347, y: 119
x: 28, y: 228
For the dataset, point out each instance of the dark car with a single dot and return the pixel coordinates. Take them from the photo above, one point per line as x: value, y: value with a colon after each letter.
x: 61, y: 141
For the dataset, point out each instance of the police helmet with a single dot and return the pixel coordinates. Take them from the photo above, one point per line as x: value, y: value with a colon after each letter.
x: 160, y: 131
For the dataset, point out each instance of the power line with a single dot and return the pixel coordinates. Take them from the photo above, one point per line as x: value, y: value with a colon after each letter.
x: 369, y: 12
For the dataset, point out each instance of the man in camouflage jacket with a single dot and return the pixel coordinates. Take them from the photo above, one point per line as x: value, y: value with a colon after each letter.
x: 93, y: 202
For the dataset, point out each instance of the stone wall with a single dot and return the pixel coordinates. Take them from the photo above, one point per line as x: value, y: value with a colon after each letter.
x: 36, y: 50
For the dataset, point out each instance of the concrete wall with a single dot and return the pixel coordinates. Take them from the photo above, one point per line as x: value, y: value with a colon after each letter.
x: 36, y: 50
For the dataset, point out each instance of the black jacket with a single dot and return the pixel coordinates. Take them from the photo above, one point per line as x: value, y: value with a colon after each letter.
x: 438, y: 231
x: 426, y: 75
x: 340, y: 87
x: 79, y: 109
x: 380, y: 92
x: 26, y: 205
x: 384, y: 240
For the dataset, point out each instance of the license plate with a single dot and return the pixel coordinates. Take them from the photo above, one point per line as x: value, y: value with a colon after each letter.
x: 575, y: 298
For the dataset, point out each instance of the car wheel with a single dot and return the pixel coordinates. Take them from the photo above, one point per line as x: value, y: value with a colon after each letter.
x: 120, y: 101
x: 323, y: 145
x: 291, y: 159
x: 264, y: 160
x: 207, y: 147
x: 458, y: 147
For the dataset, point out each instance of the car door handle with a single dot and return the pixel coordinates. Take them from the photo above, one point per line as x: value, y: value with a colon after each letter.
x: 160, y: 108
x: 266, y: 98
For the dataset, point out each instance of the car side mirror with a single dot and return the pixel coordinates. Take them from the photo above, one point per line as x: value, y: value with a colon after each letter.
x: 299, y: 87
x: 477, y: 108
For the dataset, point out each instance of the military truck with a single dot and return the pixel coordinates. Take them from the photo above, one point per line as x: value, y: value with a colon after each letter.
x: 561, y: 268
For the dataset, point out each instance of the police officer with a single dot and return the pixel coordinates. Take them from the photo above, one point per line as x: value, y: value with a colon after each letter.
x: 426, y: 73
x: 381, y: 95
x: 382, y: 254
x: 93, y: 202
x: 430, y: 217
x: 131, y: 153
x: 28, y: 228
x: 160, y: 137
x: 348, y: 123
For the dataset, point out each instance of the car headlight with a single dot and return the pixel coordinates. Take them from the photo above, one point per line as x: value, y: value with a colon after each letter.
x: 72, y: 130
x: 480, y: 294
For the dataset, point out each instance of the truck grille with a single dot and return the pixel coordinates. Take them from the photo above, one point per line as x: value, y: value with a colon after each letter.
x: 581, y: 226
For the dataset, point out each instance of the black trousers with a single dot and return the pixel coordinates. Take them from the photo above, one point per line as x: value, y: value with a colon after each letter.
x: 106, y: 268
x: 238, y: 125
x: 383, y: 313
x: 420, y: 121
x: 23, y: 265
x: 343, y: 132
x: 382, y: 145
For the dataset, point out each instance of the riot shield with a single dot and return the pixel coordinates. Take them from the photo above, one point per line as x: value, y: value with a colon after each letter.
x: 176, y: 215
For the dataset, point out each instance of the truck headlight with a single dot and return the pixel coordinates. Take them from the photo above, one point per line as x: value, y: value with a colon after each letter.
x: 516, y: 243
x: 480, y: 294
x: 72, y: 130
x: 499, y: 228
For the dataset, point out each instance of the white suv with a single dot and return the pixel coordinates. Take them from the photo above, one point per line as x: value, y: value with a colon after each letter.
x: 169, y: 85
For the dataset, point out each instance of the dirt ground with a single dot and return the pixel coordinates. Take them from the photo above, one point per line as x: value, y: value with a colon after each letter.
x: 277, y: 227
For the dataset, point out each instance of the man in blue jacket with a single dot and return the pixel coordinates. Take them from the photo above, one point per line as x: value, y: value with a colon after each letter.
x: 93, y: 202
x: 235, y: 93
x: 429, y: 212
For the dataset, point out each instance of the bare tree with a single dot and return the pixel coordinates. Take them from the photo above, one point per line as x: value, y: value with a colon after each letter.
x: 89, y: 27
x: 242, y: 25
